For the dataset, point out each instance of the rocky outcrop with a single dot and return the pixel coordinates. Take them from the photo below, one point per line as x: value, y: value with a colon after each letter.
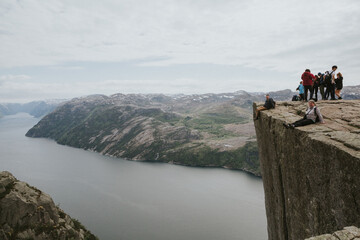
x: 310, y: 174
x: 28, y: 213
x: 348, y: 233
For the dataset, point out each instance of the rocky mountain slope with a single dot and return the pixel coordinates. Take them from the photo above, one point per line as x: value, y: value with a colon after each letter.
x: 212, y: 130
x: 28, y: 213
x: 310, y: 174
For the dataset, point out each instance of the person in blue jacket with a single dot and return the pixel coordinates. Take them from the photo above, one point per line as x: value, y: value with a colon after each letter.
x: 300, y: 88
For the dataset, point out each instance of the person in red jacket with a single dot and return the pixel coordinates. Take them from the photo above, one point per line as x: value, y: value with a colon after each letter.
x: 308, y: 81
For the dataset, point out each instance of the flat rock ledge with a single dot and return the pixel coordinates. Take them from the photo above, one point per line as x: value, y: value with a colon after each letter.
x: 342, y: 122
x: 28, y: 213
x: 348, y: 233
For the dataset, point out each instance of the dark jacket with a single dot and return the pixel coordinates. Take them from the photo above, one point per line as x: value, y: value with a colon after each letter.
x: 321, y: 77
x: 269, y: 103
x: 339, y: 83
x: 317, y: 81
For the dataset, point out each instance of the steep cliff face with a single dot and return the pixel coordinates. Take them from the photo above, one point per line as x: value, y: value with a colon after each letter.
x: 28, y: 213
x: 311, y: 174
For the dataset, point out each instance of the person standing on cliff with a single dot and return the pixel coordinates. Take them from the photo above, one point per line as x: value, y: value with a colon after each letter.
x: 312, y: 115
x: 338, y: 85
x: 330, y: 80
x: 316, y: 87
x: 322, y: 85
x: 308, y: 79
x: 269, y: 104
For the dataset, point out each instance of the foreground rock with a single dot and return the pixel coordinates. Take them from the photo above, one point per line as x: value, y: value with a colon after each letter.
x: 311, y: 174
x: 348, y: 233
x: 28, y: 213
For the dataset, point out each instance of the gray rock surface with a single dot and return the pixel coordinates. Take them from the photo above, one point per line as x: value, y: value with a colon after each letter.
x: 28, y: 213
x: 310, y: 174
x: 348, y: 233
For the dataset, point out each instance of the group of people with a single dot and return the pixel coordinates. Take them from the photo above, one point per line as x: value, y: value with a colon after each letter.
x: 329, y: 83
x: 312, y: 113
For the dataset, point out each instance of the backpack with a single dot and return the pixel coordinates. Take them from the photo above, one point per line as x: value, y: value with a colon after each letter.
x: 317, y: 116
x: 295, y: 98
x: 328, y: 77
x: 273, y: 103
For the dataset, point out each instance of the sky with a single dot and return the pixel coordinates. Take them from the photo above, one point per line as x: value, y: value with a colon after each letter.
x: 63, y: 49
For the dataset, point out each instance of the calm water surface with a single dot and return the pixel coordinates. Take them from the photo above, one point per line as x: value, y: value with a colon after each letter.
x: 119, y: 199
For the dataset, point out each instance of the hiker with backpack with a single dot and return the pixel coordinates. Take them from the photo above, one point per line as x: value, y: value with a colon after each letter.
x: 269, y: 104
x: 322, y: 85
x: 300, y: 88
x: 330, y: 83
x: 308, y: 79
x: 338, y: 85
x: 327, y: 82
x: 312, y: 115
x: 316, y: 87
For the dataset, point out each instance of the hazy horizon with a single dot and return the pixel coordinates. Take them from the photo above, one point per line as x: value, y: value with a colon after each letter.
x: 22, y: 100
x: 66, y: 49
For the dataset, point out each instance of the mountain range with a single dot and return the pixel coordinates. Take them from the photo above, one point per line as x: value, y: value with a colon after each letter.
x: 35, y: 108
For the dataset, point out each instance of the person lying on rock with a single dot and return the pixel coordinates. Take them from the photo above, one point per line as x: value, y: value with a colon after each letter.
x: 269, y: 104
x: 312, y: 115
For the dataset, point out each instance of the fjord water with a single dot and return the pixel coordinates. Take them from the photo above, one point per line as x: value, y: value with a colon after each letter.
x: 119, y: 199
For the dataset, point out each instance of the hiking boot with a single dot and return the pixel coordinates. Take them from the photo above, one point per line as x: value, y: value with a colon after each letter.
x: 339, y: 98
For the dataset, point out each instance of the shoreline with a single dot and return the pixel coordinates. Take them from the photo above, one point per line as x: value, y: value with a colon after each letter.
x: 164, y: 162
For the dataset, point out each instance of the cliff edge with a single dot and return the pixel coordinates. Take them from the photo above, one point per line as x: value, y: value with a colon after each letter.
x: 28, y: 213
x: 311, y: 174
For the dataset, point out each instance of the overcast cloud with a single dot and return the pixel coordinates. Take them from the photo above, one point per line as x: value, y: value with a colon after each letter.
x: 63, y: 49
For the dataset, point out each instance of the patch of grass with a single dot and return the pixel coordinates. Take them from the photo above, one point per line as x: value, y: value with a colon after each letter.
x: 77, y: 224
x: 88, y: 234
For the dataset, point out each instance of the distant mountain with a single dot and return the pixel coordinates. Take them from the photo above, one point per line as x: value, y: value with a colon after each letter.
x: 351, y: 92
x: 35, y: 108
x: 213, y: 130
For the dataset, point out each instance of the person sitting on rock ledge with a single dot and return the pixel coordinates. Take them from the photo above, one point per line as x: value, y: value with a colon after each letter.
x: 312, y: 115
x: 269, y: 104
